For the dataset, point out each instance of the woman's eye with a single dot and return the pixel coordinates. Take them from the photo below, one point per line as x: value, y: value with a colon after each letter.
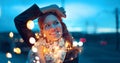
x: 47, y: 25
x: 56, y: 22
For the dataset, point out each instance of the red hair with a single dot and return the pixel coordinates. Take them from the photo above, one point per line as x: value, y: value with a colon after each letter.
x: 66, y: 35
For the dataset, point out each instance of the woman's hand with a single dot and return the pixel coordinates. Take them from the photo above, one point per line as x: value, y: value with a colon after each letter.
x: 73, y: 53
x: 54, y: 8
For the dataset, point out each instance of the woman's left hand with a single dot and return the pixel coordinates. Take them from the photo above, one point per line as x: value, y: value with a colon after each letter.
x: 73, y: 53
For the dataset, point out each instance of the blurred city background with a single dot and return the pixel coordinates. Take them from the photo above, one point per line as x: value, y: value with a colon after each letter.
x: 95, y: 23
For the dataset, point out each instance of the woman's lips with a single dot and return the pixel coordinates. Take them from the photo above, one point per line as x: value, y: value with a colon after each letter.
x: 54, y: 33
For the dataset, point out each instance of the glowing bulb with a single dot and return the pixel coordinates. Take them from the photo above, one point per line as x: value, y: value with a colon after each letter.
x: 36, y: 57
x: 75, y: 43
x: 11, y: 34
x: 30, y: 24
x: 80, y: 43
x: 9, y: 61
x: 17, y: 50
x: 67, y: 44
x: 32, y: 40
x: 56, y: 48
x: 34, y: 49
x: 37, y: 62
x: 8, y: 55
x: 71, y: 58
x: 37, y: 35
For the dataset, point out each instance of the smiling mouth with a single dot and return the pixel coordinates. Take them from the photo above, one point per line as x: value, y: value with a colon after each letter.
x: 55, y: 33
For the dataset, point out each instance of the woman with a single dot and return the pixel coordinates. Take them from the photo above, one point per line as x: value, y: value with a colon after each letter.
x: 55, y: 43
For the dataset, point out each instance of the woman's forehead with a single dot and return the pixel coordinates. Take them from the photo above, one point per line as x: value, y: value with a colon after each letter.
x: 50, y: 18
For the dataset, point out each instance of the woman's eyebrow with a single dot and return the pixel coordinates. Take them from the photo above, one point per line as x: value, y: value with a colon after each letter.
x: 55, y: 20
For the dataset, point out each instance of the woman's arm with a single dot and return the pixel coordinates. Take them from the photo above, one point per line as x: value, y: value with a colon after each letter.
x: 21, y: 20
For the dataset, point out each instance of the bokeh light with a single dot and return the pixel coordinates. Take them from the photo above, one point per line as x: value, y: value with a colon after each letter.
x: 9, y: 61
x: 37, y: 58
x: 83, y: 39
x: 37, y: 35
x: 37, y: 61
x: 30, y: 24
x: 80, y: 43
x: 17, y: 50
x: 8, y: 55
x: 11, y: 34
x: 103, y: 42
x: 32, y: 40
x: 34, y: 49
x: 71, y: 58
x: 75, y: 43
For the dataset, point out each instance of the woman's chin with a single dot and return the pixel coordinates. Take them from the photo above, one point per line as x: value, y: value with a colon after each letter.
x: 56, y: 38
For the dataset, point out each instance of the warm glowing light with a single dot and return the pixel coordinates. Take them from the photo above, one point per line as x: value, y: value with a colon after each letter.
x: 71, y: 58
x: 75, y: 43
x: 67, y: 44
x: 11, y: 34
x: 30, y: 24
x: 37, y: 35
x: 37, y: 62
x: 8, y: 55
x: 9, y: 61
x: 17, y: 50
x: 56, y: 48
x: 32, y: 40
x: 55, y: 55
x: 21, y: 40
x: 34, y: 49
x: 46, y: 50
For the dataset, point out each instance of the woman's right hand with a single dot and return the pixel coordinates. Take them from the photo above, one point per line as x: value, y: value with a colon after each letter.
x: 54, y: 8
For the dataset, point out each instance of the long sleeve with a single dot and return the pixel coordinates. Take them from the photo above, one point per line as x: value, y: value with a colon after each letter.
x: 20, y: 22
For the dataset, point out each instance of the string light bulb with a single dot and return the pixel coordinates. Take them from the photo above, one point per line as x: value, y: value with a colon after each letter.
x: 30, y: 24
x: 8, y: 55
x: 11, y: 34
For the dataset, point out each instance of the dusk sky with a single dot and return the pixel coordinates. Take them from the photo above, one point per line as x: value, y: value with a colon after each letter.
x: 82, y: 15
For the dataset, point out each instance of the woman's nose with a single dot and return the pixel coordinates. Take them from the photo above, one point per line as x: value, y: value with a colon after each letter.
x: 53, y: 26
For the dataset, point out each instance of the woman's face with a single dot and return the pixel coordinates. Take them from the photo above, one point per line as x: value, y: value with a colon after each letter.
x: 52, y: 28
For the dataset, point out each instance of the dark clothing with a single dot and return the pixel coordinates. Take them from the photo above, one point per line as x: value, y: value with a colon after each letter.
x: 21, y: 20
